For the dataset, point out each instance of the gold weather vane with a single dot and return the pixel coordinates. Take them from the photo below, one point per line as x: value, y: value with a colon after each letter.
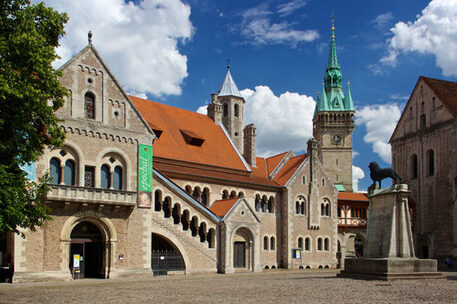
x: 228, y: 64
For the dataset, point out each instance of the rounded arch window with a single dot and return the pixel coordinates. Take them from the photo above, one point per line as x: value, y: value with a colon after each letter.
x: 55, y: 171
x: 237, y: 110
x: 89, y: 105
x: 63, y: 166
x: 225, y: 109
x: 112, y: 172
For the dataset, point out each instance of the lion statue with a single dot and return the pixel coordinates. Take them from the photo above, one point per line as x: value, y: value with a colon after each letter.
x: 377, y: 174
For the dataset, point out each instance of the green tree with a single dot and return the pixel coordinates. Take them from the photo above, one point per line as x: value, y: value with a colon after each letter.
x: 30, y: 92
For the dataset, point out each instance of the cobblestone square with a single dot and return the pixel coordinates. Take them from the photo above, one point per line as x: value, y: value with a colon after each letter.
x: 266, y: 287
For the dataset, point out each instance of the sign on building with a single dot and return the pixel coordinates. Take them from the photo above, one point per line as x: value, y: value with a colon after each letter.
x: 144, y: 176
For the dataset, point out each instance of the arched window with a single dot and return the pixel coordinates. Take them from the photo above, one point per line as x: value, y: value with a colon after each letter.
x: 89, y: 105
x: 237, y: 110
x: 205, y: 196
x: 272, y: 243
x: 225, y: 194
x: 257, y: 203
x: 263, y: 204
x: 322, y: 209
x: 69, y: 173
x: 271, y: 208
x: 300, y: 243
x: 232, y: 194
x: 430, y: 163
x: 319, y: 244
x: 117, y: 178
x: 300, y: 206
x: 326, y: 244
x: 307, y: 244
x: 157, y: 200
x: 105, y: 180
x: 55, y: 171
x: 265, y: 243
x: 413, y: 166
x: 196, y: 194
x: 188, y: 189
x: 297, y: 207
x: 225, y: 109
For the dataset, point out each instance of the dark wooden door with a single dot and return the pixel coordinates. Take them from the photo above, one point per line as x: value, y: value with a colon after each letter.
x: 239, y: 254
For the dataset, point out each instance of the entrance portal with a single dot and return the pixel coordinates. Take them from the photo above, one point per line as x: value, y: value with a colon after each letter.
x: 165, y: 256
x: 87, y: 242
x: 239, y: 254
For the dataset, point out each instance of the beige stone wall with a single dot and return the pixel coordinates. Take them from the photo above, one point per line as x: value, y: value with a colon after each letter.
x: 435, y: 213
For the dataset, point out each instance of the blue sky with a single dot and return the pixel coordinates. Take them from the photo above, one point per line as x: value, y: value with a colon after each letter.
x: 176, y: 52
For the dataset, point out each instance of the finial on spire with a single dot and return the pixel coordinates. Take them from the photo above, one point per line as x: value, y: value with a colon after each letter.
x: 89, y: 37
x: 349, y: 82
x: 228, y: 64
x: 333, y: 25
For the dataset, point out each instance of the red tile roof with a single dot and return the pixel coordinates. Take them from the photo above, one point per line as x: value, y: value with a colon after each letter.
x: 352, y: 196
x: 222, y: 207
x: 216, y: 149
x: 445, y: 90
x: 273, y: 161
x: 289, y: 169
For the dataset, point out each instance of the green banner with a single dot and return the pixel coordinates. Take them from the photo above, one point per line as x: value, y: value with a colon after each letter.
x: 144, y: 176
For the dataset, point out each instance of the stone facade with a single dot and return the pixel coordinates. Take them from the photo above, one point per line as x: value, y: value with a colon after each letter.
x: 424, y: 155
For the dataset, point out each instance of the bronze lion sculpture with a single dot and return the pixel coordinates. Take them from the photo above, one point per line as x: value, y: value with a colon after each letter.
x: 377, y: 174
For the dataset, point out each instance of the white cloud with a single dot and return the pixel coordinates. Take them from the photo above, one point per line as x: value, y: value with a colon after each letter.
x: 380, y: 122
x: 357, y: 174
x: 203, y: 110
x: 383, y: 20
x: 288, y: 8
x: 257, y: 28
x: 283, y: 123
x: 139, y: 42
x: 433, y: 32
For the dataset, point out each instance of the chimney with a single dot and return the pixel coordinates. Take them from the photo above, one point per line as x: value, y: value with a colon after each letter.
x: 249, y: 144
x: 215, y: 109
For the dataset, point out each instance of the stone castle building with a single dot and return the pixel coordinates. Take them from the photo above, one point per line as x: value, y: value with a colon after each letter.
x: 424, y: 153
x: 207, y: 203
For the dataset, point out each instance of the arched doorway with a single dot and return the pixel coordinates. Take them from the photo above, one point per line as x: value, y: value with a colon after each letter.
x: 165, y: 256
x: 87, y: 243
x: 422, y: 249
x: 242, y: 249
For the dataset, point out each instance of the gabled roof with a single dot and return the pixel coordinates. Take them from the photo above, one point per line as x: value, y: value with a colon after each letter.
x: 352, y: 196
x: 289, y: 169
x: 178, y: 125
x: 273, y: 161
x: 445, y: 90
x: 222, y: 207
x: 228, y: 87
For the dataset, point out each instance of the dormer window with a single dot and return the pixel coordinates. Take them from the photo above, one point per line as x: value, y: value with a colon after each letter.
x: 192, y: 138
x: 89, y: 105
x: 157, y: 131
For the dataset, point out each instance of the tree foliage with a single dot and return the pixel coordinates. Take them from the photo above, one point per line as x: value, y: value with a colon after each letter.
x: 30, y: 92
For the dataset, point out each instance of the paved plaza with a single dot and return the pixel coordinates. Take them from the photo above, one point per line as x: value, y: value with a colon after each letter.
x: 280, y: 286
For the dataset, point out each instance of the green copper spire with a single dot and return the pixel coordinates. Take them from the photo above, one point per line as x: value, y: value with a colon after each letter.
x: 332, y: 97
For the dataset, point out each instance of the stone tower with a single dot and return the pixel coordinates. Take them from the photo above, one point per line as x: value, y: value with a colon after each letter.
x: 333, y: 123
x: 229, y: 101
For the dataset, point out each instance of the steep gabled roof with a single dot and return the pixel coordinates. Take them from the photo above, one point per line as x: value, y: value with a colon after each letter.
x: 222, y: 207
x: 445, y: 90
x: 188, y: 136
x: 273, y: 161
x: 289, y: 169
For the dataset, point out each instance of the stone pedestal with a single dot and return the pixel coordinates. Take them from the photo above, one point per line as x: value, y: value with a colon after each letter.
x: 389, y: 250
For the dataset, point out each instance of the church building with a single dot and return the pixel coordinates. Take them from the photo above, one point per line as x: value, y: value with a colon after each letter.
x: 142, y: 187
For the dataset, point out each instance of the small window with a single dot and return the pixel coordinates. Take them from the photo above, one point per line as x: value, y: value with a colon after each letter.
x: 304, y: 180
x: 323, y: 182
x: 55, y: 171
x: 89, y: 176
x: 430, y: 163
x: 237, y: 110
x: 89, y: 105
x: 271, y: 205
x: 69, y: 173
x: 117, y: 178
x: 422, y: 121
x: 326, y: 244
x: 319, y: 244
x: 257, y: 203
x: 265, y: 243
x: 307, y: 244
x: 272, y: 243
x: 413, y: 166
x: 105, y: 179
x: 225, y: 110
x: 205, y: 196
x: 300, y: 243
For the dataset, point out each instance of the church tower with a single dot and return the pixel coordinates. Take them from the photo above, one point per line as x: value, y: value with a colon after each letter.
x: 227, y: 106
x: 333, y: 123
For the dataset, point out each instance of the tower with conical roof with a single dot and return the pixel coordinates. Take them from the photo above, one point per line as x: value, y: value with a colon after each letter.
x: 227, y: 106
x: 333, y: 123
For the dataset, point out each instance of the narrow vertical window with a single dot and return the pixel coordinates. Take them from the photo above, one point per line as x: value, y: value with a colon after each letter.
x: 117, y: 178
x: 413, y: 166
x: 225, y: 109
x: 105, y: 179
x: 69, y: 173
x: 300, y: 243
x: 307, y: 244
x: 89, y: 105
x: 272, y: 243
x: 430, y: 162
x: 55, y: 172
x: 265, y: 243
x: 237, y: 110
x: 319, y: 244
x: 89, y: 176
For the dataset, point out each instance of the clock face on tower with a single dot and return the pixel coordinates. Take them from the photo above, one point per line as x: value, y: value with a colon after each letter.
x: 336, y: 139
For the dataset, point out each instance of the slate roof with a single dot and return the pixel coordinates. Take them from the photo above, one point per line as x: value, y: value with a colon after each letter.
x: 228, y: 87
x: 444, y: 90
